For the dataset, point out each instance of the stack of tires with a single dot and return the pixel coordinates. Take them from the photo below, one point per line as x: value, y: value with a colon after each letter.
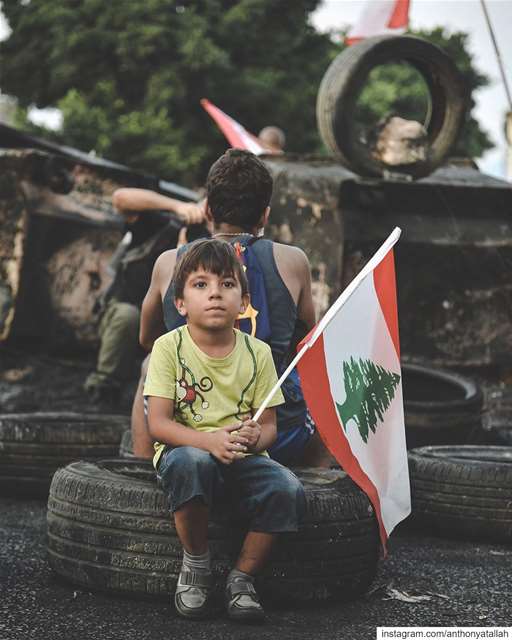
x: 34, y: 445
x: 109, y: 528
x: 463, y: 491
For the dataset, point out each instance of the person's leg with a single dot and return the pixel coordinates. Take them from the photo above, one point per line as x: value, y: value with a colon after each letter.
x: 272, y: 498
x: 142, y: 442
x: 119, y: 330
x: 316, y: 454
x: 255, y: 552
x: 191, y: 522
x: 191, y: 478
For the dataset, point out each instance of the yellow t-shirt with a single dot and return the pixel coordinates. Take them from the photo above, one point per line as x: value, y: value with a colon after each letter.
x: 210, y: 393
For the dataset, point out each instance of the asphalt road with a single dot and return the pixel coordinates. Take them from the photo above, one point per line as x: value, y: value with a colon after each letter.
x: 464, y: 584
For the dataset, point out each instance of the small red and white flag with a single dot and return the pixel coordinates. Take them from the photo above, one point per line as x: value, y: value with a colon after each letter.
x: 380, y: 17
x: 349, y: 366
x: 237, y: 136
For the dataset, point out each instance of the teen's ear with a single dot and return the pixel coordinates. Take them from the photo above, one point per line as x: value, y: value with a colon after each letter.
x: 180, y: 306
x: 209, y: 217
x: 263, y: 220
x: 246, y: 299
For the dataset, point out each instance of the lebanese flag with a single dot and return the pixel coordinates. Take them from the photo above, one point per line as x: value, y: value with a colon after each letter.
x: 351, y: 379
x: 237, y: 136
x: 380, y: 17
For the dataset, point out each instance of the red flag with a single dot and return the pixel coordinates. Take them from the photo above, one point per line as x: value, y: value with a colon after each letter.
x: 380, y: 17
x: 237, y: 136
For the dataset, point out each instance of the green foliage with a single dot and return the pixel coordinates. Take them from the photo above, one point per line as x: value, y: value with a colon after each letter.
x: 369, y: 391
x: 129, y: 75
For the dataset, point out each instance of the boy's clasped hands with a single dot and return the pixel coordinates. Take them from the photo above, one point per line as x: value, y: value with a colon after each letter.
x: 227, y: 444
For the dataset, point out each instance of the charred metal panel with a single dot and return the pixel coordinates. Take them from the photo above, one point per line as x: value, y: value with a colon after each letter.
x: 305, y: 212
x: 453, y: 262
x: 58, y: 234
x: 13, y: 231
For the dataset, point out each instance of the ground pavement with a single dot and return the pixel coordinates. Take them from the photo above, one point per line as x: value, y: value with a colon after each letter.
x: 462, y: 583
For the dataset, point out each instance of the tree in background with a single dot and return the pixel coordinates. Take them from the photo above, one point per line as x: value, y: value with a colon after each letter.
x: 128, y: 76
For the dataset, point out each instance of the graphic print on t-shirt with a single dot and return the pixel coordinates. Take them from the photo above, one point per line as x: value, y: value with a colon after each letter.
x: 188, y: 393
x: 192, y: 395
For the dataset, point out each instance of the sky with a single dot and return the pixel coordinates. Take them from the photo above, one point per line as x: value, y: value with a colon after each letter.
x: 454, y: 15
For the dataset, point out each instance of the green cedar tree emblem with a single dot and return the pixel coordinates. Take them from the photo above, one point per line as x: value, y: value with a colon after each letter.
x: 370, y: 389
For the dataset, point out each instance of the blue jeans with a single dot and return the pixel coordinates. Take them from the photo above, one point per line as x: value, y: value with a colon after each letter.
x: 267, y: 497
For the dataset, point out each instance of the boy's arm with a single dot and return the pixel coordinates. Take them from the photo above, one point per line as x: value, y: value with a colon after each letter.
x: 152, y: 324
x: 128, y: 200
x: 163, y: 428
x: 305, y: 306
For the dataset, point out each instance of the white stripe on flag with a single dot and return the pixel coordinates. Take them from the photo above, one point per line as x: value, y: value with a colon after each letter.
x: 359, y: 331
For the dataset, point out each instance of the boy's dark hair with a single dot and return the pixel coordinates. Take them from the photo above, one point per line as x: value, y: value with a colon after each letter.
x: 238, y: 189
x: 214, y: 256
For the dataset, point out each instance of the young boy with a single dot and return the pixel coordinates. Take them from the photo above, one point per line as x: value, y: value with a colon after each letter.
x: 205, y: 381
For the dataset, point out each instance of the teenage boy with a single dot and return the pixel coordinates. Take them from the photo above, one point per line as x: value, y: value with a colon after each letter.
x: 205, y: 381
x: 239, y: 189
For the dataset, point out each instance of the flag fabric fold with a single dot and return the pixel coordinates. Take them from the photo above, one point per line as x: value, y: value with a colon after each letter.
x: 351, y: 379
x: 378, y: 18
x: 237, y: 136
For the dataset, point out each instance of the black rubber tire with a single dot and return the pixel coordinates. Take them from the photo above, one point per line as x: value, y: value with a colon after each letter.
x: 34, y: 445
x: 345, y: 78
x: 109, y: 529
x: 441, y: 407
x: 126, y: 446
x: 463, y: 491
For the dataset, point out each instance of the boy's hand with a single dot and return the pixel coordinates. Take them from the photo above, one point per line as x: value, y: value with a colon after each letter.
x: 250, y: 431
x: 225, y: 445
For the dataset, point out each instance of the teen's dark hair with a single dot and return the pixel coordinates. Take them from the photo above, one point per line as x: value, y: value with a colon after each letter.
x: 214, y: 256
x: 238, y: 188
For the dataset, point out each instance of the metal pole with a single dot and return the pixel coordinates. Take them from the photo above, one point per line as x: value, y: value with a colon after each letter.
x: 498, y: 56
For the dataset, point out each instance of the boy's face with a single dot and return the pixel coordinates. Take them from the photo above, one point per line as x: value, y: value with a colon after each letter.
x: 211, y: 301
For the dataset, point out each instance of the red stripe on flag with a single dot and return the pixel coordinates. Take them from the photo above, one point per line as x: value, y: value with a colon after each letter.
x: 400, y: 16
x: 385, y: 287
x: 350, y: 41
x: 317, y: 392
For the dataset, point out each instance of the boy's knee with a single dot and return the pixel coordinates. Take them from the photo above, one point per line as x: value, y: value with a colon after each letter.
x: 289, y: 488
x: 190, y: 460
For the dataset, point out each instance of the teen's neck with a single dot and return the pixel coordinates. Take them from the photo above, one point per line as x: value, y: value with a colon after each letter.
x: 231, y: 230
x: 216, y: 344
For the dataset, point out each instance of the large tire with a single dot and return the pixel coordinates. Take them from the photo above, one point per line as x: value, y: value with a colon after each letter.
x: 34, y: 445
x: 463, y: 492
x: 344, y: 80
x: 440, y: 407
x: 109, y: 529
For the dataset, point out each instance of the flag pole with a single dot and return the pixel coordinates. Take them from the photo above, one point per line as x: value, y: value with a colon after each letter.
x: 333, y: 310
x: 498, y: 54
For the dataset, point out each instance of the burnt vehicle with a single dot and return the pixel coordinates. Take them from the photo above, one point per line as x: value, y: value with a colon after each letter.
x: 454, y: 257
x: 59, y: 237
